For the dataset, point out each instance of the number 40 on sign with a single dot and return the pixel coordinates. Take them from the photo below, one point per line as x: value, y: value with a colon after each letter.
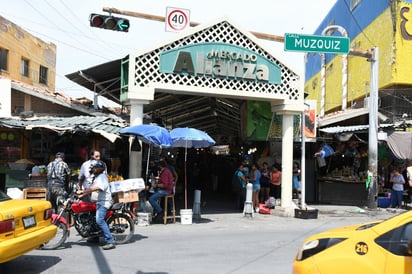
x: 177, y: 19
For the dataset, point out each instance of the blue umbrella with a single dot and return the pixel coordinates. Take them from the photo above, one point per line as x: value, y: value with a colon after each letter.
x: 187, y: 138
x: 149, y: 134
x: 190, y: 137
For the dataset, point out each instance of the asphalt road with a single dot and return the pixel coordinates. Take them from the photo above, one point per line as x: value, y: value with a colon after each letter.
x: 219, y: 243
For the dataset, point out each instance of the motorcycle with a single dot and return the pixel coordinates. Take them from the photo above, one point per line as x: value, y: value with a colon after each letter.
x: 119, y: 219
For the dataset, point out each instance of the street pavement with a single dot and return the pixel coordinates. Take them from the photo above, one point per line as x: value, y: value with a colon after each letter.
x: 220, y: 242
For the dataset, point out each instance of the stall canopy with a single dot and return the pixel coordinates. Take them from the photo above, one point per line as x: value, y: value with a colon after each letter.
x: 106, y: 126
x: 400, y: 143
x: 351, y: 129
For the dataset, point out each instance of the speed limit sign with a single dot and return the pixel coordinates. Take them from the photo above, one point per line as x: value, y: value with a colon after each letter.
x: 177, y: 19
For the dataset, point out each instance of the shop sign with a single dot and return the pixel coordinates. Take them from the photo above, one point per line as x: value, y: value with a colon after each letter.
x: 220, y: 60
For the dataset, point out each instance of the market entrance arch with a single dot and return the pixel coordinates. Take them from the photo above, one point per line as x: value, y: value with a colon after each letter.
x: 218, y: 59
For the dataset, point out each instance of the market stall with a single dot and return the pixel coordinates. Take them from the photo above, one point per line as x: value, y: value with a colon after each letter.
x: 342, y: 171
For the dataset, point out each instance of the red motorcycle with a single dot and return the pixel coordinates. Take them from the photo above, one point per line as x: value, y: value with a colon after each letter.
x: 118, y: 218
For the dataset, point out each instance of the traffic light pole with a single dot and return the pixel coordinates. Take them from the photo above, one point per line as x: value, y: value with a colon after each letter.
x: 259, y: 35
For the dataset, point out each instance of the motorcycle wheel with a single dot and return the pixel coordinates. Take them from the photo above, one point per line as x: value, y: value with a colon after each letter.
x: 122, y: 227
x: 59, y: 239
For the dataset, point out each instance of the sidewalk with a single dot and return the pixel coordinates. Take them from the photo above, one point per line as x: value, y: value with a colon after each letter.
x: 219, y: 208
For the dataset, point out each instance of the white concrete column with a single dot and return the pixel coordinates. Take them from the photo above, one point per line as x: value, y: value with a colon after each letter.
x: 287, y: 159
x: 135, y: 157
x: 136, y: 98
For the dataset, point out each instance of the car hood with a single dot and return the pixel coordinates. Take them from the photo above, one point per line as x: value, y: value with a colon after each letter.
x: 344, y: 232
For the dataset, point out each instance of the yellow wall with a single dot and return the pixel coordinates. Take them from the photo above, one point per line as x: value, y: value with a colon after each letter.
x: 22, y: 44
x: 379, y: 33
x: 403, y: 46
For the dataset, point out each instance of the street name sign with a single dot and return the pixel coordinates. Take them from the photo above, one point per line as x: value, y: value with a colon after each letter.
x: 317, y: 43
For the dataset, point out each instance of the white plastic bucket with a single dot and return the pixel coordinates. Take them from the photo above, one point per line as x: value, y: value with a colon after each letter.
x: 186, y: 216
x: 144, y: 219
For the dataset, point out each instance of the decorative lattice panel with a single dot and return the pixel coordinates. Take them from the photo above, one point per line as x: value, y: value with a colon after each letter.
x: 147, y: 65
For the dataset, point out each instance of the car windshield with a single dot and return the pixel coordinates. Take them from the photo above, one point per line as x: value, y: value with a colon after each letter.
x: 369, y: 225
x: 362, y: 227
x: 3, y: 196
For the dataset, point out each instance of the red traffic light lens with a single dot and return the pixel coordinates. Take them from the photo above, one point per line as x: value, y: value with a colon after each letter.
x: 96, y: 20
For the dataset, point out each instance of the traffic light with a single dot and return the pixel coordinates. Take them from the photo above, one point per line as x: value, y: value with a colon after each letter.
x: 109, y: 22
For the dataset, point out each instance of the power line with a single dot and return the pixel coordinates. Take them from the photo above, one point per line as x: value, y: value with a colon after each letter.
x: 357, y: 23
x: 81, y: 30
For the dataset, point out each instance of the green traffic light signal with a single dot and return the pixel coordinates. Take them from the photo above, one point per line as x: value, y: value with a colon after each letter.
x: 123, y: 24
x: 109, y: 22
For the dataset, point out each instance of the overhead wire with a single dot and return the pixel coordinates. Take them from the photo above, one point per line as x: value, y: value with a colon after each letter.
x: 357, y: 22
x: 98, y: 39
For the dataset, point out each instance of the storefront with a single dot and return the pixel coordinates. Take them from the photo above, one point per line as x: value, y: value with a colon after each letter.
x: 342, y: 163
x: 28, y: 143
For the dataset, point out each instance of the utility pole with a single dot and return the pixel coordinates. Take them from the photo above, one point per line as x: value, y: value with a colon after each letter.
x: 373, y: 130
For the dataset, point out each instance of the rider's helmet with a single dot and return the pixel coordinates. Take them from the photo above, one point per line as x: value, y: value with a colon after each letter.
x: 97, y: 166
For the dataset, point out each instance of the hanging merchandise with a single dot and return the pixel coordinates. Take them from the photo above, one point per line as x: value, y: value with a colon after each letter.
x: 325, y: 151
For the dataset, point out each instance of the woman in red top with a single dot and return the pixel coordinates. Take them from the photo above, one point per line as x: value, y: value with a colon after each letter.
x: 275, y: 179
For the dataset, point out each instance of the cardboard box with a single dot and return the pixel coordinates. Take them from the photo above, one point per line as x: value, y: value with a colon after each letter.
x: 126, y: 197
x: 306, y: 213
x: 127, y: 185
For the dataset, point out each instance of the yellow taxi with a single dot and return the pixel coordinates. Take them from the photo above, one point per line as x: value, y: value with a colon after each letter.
x: 24, y: 225
x: 374, y: 247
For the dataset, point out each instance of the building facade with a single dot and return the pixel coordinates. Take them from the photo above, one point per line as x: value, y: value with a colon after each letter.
x: 368, y: 24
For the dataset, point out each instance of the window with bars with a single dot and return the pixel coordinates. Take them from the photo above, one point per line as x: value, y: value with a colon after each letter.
x: 3, y: 58
x: 43, y: 75
x: 24, y: 68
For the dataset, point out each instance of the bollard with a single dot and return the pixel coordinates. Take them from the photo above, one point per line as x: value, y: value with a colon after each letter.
x: 248, y: 208
x: 196, y: 205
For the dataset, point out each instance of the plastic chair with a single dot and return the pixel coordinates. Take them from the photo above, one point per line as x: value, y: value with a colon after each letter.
x: 173, y: 209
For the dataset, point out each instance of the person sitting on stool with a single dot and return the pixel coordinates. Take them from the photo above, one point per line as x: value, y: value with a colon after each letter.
x: 163, y: 187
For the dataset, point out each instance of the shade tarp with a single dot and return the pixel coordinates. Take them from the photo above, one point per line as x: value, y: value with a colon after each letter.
x: 400, y: 143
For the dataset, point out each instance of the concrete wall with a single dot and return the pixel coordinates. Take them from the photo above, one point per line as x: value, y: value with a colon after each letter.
x: 22, y: 45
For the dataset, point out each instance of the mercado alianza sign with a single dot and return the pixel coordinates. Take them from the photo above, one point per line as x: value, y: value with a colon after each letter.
x: 220, y: 60
x: 317, y: 43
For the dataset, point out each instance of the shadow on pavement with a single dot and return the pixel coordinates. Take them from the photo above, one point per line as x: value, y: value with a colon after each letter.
x: 26, y: 264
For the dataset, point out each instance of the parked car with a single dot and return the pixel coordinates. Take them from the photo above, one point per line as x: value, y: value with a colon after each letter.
x: 374, y: 247
x: 24, y: 225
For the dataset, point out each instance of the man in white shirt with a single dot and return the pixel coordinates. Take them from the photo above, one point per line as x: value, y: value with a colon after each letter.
x: 85, y: 179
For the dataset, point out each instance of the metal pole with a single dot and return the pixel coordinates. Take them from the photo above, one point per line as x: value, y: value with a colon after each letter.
x: 260, y: 35
x: 322, y: 84
x: 373, y: 131
x: 302, y: 165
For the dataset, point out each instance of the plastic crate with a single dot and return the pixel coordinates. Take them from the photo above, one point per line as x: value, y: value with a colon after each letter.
x: 35, y: 183
x: 384, y: 202
x: 306, y: 213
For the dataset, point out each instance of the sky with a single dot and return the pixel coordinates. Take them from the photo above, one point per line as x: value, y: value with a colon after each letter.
x: 79, y: 46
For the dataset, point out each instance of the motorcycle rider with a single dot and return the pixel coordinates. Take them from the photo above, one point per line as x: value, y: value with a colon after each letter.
x: 101, y: 190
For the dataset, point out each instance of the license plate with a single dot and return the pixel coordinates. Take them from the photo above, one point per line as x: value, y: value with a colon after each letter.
x: 29, y: 222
